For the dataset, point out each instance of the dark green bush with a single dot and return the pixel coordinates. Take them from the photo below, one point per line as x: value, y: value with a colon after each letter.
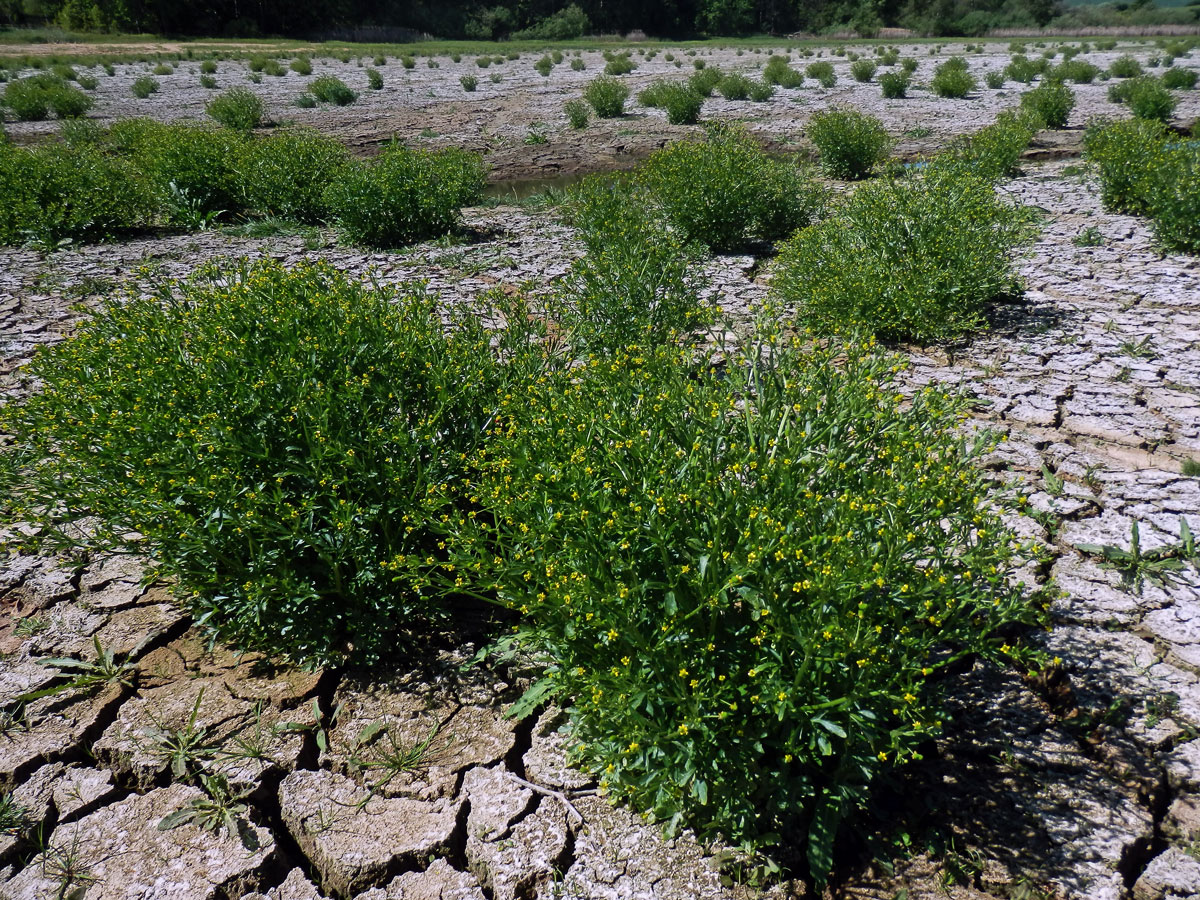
x: 725, y: 192
x: 1130, y: 155
x: 734, y: 86
x: 863, y: 70
x: 208, y: 67
x: 1125, y: 67
x: 331, y: 89
x: 544, y: 66
x: 162, y: 69
x: 374, y: 79
x: 87, y: 82
x: 144, y: 86
x: 578, y: 65
x: 53, y: 192
x: 761, y: 92
x: 992, y: 152
x: 1051, y: 102
x: 951, y: 80
x: 822, y: 71
x: 405, y: 195
x: 1175, y: 200
x: 894, y: 85
x: 906, y: 259
x: 619, y: 65
x: 34, y: 97
x: 1148, y: 99
x: 236, y: 108
x: 607, y: 96
x: 749, y: 587
x: 468, y: 82
x: 1176, y: 78
x: 407, y: 61
x: 293, y: 431
x: 705, y: 82
x: 909, y: 65
x: 274, y: 68
x: 208, y: 82
x: 681, y: 103
x: 849, y: 143
x: 286, y: 174
x: 778, y: 71
x: 1075, y: 70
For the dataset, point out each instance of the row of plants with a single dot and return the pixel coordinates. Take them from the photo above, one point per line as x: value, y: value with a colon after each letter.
x: 1146, y: 169
x: 746, y: 570
x: 140, y: 174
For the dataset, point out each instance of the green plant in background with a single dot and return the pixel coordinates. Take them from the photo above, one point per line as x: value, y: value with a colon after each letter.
x: 1089, y: 237
x: 331, y: 89
x: 208, y: 67
x: 951, y: 79
x: 287, y: 173
x: 301, y: 65
x: 726, y: 192
x: 909, y: 65
x: 544, y: 66
x: 607, y: 96
x: 306, y: 101
x: 1174, y: 199
x: 407, y: 61
x: 162, y: 69
x: 1148, y: 99
x: 748, y: 587
x: 849, y: 143
x: 578, y: 65
x: 1051, y: 102
x: 34, y: 97
x: 468, y: 82
x: 144, y: 86
x: 1076, y: 70
x: 906, y: 259
x: 779, y: 71
x: 734, y: 86
x: 237, y: 108
x: 374, y: 79
x: 295, y: 433
x: 822, y: 71
x: 894, y: 85
x: 1176, y: 78
x: 577, y: 113
x: 705, y: 81
x: 1125, y: 67
x: 863, y: 70
x: 1130, y: 155
x: 994, y: 80
x: 208, y: 82
x: 405, y: 195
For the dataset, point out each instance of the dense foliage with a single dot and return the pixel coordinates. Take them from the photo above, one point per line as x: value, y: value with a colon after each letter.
x: 34, y: 97
x: 849, y: 143
x: 905, y: 259
x: 287, y: 173
x: 237, y: 108
x: 276, y: 440
x: 725, y: 191
x: 1050, y: 102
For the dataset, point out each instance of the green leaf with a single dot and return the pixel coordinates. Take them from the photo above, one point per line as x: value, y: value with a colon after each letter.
x: 175, y: 819
x: 531, y: 699
x: 832, y: 727
x: 820, y: 838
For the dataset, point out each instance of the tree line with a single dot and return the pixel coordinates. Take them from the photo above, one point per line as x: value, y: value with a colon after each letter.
x: 545, y: 19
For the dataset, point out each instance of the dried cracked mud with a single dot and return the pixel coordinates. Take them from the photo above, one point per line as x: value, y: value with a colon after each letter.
x: 1081, y: 785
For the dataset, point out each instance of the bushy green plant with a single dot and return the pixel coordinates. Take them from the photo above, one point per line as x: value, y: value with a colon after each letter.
x: 162, y: 69
x: 407, y: 61
x: 301, y: 65
x: 53, y: 192
x: 726, y: 191
x: 144, y: 86
x: 991, y: 152
x: 904, y: 259
x: 294, y: 432
x: 1076, y: 70
x: 544, y: 66
x: 749, y: 588
x: 909, y: 65
x: 952, y: 81
x: 286, y: 174
x: 468, y: 82
x: 257, y: 62
x: 778, y: 71
x: 863, y: 70
x: 705, y: 81
x: 34, y: 97
x: 1125, y: 67
x: 761, y: 92
x: 822, y: 71
x: 849, y: 143
x: 208, y: 82
x: 306, y: 101
x: 619, y: 65
x: 87, y: 82
x: 1129, y: 155
x: 1176, y: 78
x: 734, y: 86
x: 894, y: 85
x: 1148, y: 99
x: 374, y: 79
x: 237, y: 108
x: 1175, y: 200
x: 577, y: 64
x: 331, y: 89
x: 1051, y: 102
x: 208, y: 67
x: 994, y: 80
x: 405, y: 195
x: 681, y: 103
x: 577, y: 113
x: 607, y: 96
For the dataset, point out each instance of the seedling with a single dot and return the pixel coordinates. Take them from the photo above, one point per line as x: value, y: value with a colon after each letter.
x: 1159, y: 566
x: 221, y: 807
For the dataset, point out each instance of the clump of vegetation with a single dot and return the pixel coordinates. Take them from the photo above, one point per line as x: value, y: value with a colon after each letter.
x: 405, y: 195
x: 299, y: 419
x: 1176, y: 78
x: 726, y: 192
x: 849, y: 143
x: 741, y: 653
x: 301, y: 65
x: 992, y: 152
x: 863, y: 70
x: 544, y: 66
x: 681, y: 103
x: 287, y: 173
x: 468, y: 82
x: 994, y: 80
x: 374, y: 79
x: 734, y: 86
x: 208, y: 82
x: 237, y: 108
x: 577, y: 113
x: 951, y: 79
x: 144, y: 86
x: 894, y: 85
x: 577, y: 64
x: 607, y: 96
x: 822, y: 71
x: 331, y: 89
x: 1130, y: 155
x: 1076, y: 70
x: 850, y: 273
x: 1174, y: 199
x: 1125, y: 67
x: 619, y: 64
x: 705, y: 82
x: 208, y: 67
x: 779, y: 71
x: 1051, y: 102
x: 1148, y: 99
x: 34, y: 97
x: 162, y: 69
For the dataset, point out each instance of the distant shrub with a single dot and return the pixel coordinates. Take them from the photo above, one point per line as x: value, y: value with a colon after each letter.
x: 849, y: 143
x: 894, y: 85
x: 1148, y: 99
x: 761, y: 92
x: 734, y: 87
x: 405, y: 195
x: 1130, y: 155
x: 237, y: 108
x: 1125, y: 67
x: 822, y: 71
x: 331, y: 89
x: 162, y: 69
x: 992, y: 152
x: 863, y: 70
x: 726, y: 191
x: 577, y: 113
x: 208, y: 82
x: 144, y: 86
x: 329, y: 392
x: 287, y: 173
x: 468, y: 82
x: 778, y: 71
x: 1051, y: 102
x: 301, y: 65
x: 1076, y: 70
x: 34, y: 97
x: 208, y: 67
x: 544, y: 66
x: 87, y: 82
x: 1176, y: 78
x: 850, y: 272
x: 64, y: 71
x: 909, y: 65
x: 994, y: 80
x: 619, y: 65
x: 306, y: 101
x: 577, y: 64
x: 952, y: 81
x: 381, y: 60
x: 374, y: 79
x: 706, y: 81
x: 607, y: 96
